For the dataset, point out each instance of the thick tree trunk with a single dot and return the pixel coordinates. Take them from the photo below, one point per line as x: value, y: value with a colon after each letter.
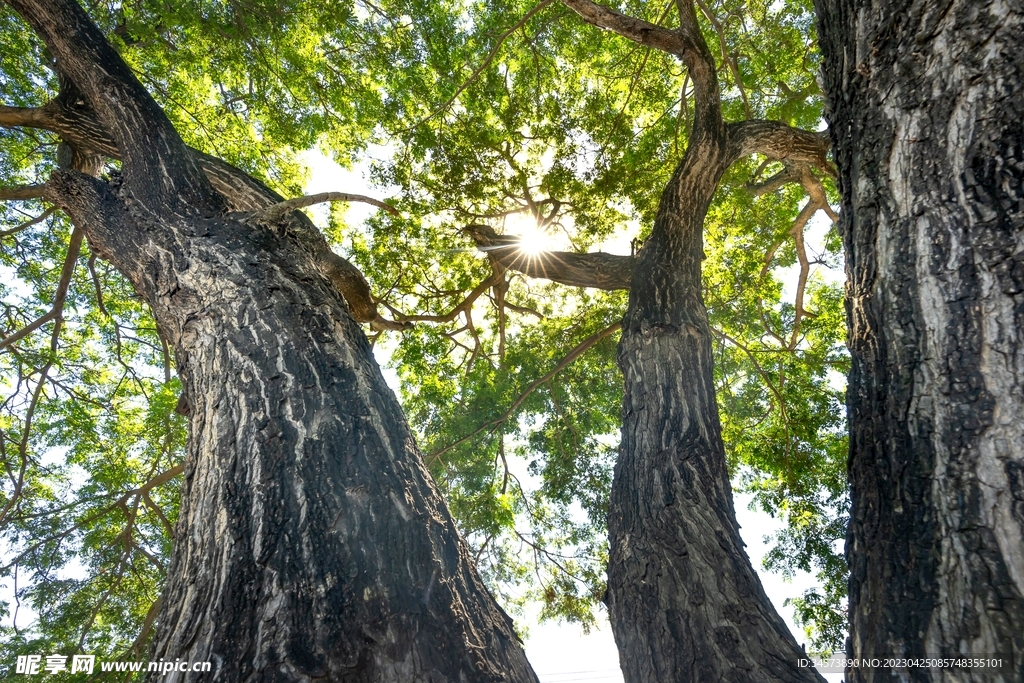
x: 926, y: 104
x: 685, y: 603
x: 311, y: 542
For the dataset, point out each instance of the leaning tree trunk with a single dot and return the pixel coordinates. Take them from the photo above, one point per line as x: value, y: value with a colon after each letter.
x: 311, y: 544
x: 926, y: 105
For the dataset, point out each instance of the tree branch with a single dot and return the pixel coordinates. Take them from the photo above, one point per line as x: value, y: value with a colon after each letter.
x: 27, y: 117
x: 777, y: 140
x: 597, y: 270
x: 154, y: 154
x: 77, y: 123
x: 789, y: 174
x: 23, y: 192
x: 639, y: 31
x: 462, y: 307
x: 29, y: 223
x: 687, y: 42
x: 60, y: 295
x: 278, y: 210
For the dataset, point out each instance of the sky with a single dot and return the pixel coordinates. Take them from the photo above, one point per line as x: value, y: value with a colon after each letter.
x: 562, y: 653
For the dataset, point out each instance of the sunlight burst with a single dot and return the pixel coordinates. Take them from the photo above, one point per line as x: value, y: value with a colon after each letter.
x: 533, y: 239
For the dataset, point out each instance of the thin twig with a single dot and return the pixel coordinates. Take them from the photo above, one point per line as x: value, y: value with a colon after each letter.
x: 28, y: 224
x: 74, y: 247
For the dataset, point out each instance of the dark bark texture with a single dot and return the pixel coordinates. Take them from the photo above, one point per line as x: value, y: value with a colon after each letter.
x: 926, y: 103
x: 311, y: 543
x: 685, y: 603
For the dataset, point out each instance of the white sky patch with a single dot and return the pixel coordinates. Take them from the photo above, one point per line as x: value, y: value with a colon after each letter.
x: 327, y: 176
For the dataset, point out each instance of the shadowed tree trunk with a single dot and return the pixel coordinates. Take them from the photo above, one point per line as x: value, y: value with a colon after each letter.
x: 311, y: 543
x: 926, y: 103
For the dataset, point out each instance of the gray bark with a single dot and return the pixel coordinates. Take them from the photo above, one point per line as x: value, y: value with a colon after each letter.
x: 926, y: 106
x: 684, y: 601
x: 311, y: 542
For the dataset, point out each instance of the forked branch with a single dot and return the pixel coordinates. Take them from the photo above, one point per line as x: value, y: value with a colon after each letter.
x: 154, y: 154
x: 780, y: 142
x: 59, y: 296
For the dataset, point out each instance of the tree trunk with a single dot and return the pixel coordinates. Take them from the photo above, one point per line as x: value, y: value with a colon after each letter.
x: 926, y: 105
x: 685, y: 603
x: 311, y: 543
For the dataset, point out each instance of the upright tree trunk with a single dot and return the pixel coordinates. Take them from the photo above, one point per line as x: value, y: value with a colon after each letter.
x: 926, y: 105
x: 311, y: 544
x: 685, y: 603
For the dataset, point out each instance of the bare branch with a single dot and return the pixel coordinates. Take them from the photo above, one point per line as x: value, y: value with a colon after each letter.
x: 797, y: 231
x: 29, y: 117
x: 639, y: 31
x: 22, y: 192
x: 159, y: 513
x: 159, y: 479
x: 795, y: 172
x: 28, y: 329
x: 147, y: 625
x: 686, y: 42
x: 352, y: 284
x: 779, y: 141
x: 28, y: 224
x: 74, y: 247
x: 567, y: 360
x: 462, y: 307
x: 790, y: 173
x: 278, y: 210
x: 96, y: 284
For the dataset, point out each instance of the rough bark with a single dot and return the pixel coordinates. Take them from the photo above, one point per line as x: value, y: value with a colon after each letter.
x: 77, y: 123
x: 685, y: 603
x: 311, y: 543
x: 926, y: 105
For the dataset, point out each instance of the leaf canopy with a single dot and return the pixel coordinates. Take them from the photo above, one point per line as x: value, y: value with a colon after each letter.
x: 513, y: 115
